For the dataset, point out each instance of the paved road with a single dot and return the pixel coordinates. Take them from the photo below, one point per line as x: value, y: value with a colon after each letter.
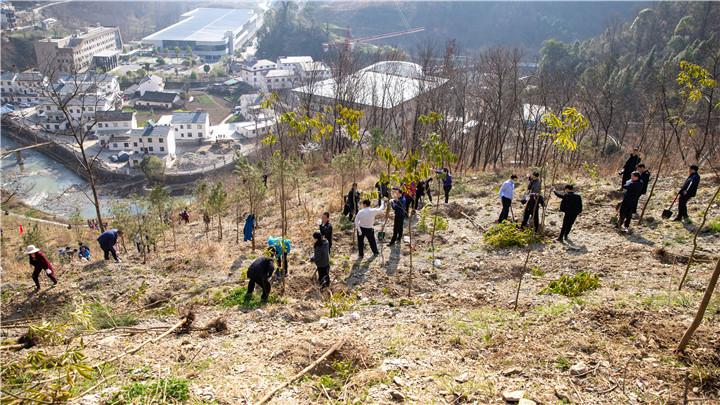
x: 42, y: 221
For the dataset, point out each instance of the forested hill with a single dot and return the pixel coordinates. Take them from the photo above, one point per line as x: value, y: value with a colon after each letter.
x: 475, y: 25
x: 135, y: 19
x: 620, y: 75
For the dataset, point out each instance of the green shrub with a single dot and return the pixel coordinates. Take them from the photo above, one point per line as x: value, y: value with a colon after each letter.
x: 342, y: 371
x: 236, y: 298
x: 714, y: 226
x: 572, y: 286
x: 339, y: 303
x: 507, y: 234
x: 562, y: 363
x: 102, y: 317
x: 537, y: 271
x: 427, y: 220
x: 345, y: 224
x: 166, y: 390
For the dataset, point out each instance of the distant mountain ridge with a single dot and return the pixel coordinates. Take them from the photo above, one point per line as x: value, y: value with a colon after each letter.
x: 475, y: 25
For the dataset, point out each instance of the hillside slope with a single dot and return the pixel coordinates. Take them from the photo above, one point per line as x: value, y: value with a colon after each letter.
x: 456, y: 339
x: 475, y: 25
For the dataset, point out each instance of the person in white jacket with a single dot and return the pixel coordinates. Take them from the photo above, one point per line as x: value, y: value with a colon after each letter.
x: 364, y: 223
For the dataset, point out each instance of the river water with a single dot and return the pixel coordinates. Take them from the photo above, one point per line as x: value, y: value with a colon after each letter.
x: 47, y: 184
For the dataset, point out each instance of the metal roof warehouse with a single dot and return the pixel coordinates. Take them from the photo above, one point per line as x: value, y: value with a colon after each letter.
x: 210, y: 32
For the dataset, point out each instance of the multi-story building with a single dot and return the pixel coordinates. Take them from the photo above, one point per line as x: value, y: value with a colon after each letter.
x: 288, y: 72
x: 279, y: 79
x: 255, y: 74
x: 113, y: 123
x: 21, y: 87
x: 99, y: 84
x: 157, y: 140
x: 312, y: 71
x: 81, y: 111
x: 8, y: 19
x: 293, y: 63
x: 75, y: 53
x: 191, y: 126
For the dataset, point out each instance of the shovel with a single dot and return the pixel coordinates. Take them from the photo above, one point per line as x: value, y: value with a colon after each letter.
x: 668, y: 212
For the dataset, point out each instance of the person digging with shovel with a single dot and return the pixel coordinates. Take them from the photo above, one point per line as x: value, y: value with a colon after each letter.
x: 40, y: 263
x: 260, y: 272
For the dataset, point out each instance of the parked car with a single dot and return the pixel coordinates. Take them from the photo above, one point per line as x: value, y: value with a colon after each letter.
x: 120, y: 157
x: 24, y: 105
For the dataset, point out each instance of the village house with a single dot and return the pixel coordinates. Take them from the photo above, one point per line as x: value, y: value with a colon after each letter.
x: 255, y: 74
x: 151, y: 83
x: 279, y: 79
x: 98, y: 84
x: 113, y: 123
x: 157, y: 140
x: 81, y: 109
x: 313, y: 71
x: 158, y: 99
x: 23, y: 87
x: 191, y: 126
x: 293, y: 63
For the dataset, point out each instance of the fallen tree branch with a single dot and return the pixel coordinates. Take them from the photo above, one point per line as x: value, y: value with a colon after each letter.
x: 143, y: 344
x: 13, y: 347
x: 29, y: 400
x: 480, y: 227
x: 304, y: 371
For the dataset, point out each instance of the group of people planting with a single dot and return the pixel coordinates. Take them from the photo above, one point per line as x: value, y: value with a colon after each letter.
x: 634, y: 184
x: 635, y: 181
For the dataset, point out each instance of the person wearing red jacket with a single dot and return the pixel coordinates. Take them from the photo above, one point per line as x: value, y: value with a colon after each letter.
x: 40, y: 263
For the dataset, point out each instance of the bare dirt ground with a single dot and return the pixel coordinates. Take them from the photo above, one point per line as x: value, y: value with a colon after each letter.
x: 455, y: 339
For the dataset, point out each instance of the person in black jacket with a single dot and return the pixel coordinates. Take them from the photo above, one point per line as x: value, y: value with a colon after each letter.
x: 326, y: 229
x: 688, y: 191
x: 428, y: 189
x: 628, y: 206
x: 571, y: 205
x: 260, y: 272
x: 321, y: 258
x: 399, y: 207
x: 419, y: 194
x: 629, y: 167
x: 352, y: 202
x: 644, y: 177
x: 383, y: 191
x: 532, y: 200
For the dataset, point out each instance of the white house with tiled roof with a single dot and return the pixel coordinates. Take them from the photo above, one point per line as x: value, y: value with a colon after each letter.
x: 191, y: 126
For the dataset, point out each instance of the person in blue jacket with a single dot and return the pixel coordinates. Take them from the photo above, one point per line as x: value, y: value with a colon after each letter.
x: 107, y: 241
x: 281, y: 253
x: 83, y: 252
x: 249, y: 227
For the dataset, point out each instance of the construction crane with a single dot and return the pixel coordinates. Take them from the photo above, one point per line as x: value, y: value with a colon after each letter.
x: 349, y: 42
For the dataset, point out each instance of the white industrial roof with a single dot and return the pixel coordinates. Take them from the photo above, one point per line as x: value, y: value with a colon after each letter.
x: 204, y: 25
x: 279, y: 73
x: 295, y: 59
x: 384, y: 84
